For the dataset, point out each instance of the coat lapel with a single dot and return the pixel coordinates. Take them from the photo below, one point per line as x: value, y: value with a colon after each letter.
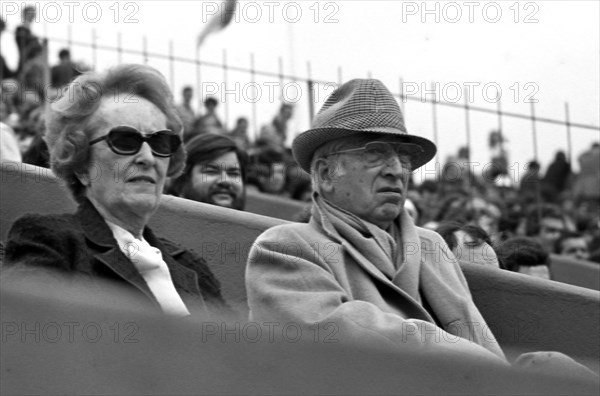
x: 183, y: 277
x: 105, y: 248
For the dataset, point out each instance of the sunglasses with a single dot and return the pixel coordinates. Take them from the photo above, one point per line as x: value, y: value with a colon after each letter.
x: 124, y: 140
x: 377, y: 153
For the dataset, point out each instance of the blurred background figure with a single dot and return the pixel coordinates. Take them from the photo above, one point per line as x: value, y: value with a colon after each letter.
x: 215, y: 172
x: 469, y: 243
x: 239, y: 134
x: 587, y: 184
x: 209, y: 122
x: 572, y: 244
x: 545, y: 223
x: 185, y: 110
x: 530, y: 182
x: 267, y: 171
x: 498, y: 174
x: 524, y: 255
x: 276, y: 132
x: 557, y: 177
x: 5, y: 70
x: 9, y: 147
x: 28, y: 43
x: 65, y: 71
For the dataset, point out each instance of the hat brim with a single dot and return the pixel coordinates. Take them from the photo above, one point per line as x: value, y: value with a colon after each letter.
x: 305, y: 144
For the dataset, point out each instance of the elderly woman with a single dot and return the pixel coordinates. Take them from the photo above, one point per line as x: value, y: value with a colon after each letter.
x: 114, y: 138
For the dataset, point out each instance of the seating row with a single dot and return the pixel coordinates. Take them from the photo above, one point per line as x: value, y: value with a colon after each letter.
x: 524, y: 313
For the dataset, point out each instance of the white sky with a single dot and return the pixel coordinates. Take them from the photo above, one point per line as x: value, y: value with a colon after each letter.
x: 557, y: 55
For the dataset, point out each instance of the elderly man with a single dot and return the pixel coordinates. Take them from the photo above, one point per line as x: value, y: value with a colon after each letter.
x: 361, y: 264
x: 360, y: 270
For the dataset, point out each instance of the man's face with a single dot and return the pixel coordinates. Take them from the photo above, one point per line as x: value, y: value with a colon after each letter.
x: 576, y: 248
x: 550, y: 230
x: 217, y: 182
x: 474, y: 250
x: 287, y: 112
x: 373, y: 193
x: 274, y: 182
x: 537, y: 271
x: 187, y: 95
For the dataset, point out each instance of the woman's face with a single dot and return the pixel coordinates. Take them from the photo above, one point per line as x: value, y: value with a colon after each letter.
x: 126, y: 186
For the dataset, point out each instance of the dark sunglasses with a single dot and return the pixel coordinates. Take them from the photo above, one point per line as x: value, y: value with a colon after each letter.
x: 125, y: 140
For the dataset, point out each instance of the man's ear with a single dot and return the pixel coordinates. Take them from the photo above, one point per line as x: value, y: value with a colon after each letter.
x: 326, y: 173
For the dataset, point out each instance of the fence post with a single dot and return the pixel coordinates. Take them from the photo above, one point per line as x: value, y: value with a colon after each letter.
x: 171, y: 65
x: 94, y: 50
x: 145, y: 49
x: 119, y: 48
x: 311, y: 99
x: 225, y: 78
x: 254, y: 113
x: 435, y: 126
x: 569, y: 141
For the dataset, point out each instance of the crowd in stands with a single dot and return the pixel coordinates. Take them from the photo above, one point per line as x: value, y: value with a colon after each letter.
x: 553, y: 213
x: 357, y: 172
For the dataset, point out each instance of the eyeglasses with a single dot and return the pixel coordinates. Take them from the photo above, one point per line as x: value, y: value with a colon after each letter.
x: 125, y: 140
x: 376, y: 153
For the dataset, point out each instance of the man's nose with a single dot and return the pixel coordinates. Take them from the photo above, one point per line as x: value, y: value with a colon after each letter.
x: 393, y: 166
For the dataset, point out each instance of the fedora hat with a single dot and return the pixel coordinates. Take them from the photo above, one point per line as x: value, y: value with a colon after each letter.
x: 356, y: 107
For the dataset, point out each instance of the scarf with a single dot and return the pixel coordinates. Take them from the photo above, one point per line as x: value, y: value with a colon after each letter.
x: 396, y: 252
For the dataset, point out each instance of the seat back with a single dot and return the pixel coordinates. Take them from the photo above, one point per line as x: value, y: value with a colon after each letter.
x: 575, y: 272
x: 274, y: 206
x: 521, y: 311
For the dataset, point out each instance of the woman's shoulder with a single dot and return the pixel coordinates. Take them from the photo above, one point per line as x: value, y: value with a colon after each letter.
x: 41, y: 224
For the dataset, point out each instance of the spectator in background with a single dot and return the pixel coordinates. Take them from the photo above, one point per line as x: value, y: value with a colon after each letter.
x: 572, y: 244
x: 267, y: 172
x: 36, y: 152
x: 65, y: 71
x: 239, y: 134
x: 530, y: 182
x: 5, y: 71
x: 209, y: 122
x: 545, y: 224
x: 498, y: 174
x: 9, y: 148
x: 276, y: 131
x: 469, y: 243
x: 215, y: 172
x: 28, y: 44
x: 185, y: 110
x: 524, y: 255
x: 587, y: 184
x: 557, y: 176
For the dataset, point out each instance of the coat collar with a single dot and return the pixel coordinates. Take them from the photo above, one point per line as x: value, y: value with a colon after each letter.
x: 108, y: 252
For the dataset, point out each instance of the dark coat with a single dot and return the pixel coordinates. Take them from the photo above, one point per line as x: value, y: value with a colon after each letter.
x: 83, y: 244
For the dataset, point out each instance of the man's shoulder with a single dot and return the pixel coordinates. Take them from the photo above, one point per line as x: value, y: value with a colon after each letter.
x: 429, y: 236
x: 292, y: 231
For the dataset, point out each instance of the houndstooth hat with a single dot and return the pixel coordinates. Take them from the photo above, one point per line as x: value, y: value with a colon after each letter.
x: 358, y: 106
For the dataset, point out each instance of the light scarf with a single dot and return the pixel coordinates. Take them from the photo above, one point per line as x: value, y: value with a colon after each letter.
x: 385, y: 249
x: 149, y: 262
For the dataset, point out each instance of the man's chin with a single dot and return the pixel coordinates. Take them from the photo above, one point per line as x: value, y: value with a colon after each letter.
x: 226, y: 202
